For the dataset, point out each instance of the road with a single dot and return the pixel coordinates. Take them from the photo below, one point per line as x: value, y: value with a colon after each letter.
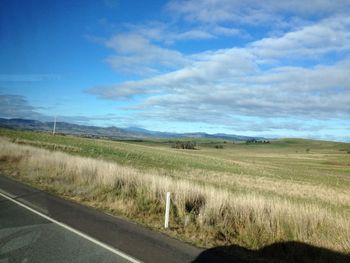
x: 25, y: 235
x: 28, y: 237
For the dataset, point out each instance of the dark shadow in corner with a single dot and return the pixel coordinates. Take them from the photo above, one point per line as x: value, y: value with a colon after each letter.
x: 286, y: 252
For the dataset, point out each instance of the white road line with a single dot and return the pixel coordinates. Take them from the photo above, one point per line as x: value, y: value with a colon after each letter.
x: 91, y: 239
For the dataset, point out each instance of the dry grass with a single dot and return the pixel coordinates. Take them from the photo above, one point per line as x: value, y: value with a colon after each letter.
x: 201, y: 213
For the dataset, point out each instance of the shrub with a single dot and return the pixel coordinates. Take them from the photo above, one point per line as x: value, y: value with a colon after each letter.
x: 188, y: 145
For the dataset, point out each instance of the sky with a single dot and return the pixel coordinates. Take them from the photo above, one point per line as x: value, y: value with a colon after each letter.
x: 257, y: 68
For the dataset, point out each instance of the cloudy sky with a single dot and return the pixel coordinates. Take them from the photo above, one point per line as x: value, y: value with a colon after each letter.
x: 262, y: 68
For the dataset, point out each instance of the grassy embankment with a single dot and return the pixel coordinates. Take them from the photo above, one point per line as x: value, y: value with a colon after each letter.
x: 250, y: 195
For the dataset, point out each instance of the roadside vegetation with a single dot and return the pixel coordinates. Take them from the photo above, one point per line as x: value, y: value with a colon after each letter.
x: 251, y: 194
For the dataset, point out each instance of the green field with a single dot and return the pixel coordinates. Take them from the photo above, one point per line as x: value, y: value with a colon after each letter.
x: 310, y: 161
x: 310, y: 178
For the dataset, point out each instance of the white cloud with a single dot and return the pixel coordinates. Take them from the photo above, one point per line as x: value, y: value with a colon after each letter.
x: 140, y: 52
x: 168, y: 33
x: 136, y: 54
x: 253, y: 11
x: 329, y: 35
x: 15, y: 106
x: 301, y: 74
x: 228, y: 31
x: 231, y: 82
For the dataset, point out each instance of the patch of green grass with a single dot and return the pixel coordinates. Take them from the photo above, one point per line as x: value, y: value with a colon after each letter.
x: 286, y: 159
x: 325, y: 164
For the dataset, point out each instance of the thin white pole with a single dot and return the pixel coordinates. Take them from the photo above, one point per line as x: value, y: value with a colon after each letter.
x: 167, y: 210
x: 54, y: 127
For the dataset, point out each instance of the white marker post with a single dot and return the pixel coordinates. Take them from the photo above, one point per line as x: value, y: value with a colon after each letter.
x: 54, y: 127
x: 167, y: 210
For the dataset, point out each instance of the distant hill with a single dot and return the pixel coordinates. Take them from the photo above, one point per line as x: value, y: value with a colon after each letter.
x: 112, y: 132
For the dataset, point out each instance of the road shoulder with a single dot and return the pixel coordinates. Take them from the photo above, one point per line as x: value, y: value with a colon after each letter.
x: 130, y: 238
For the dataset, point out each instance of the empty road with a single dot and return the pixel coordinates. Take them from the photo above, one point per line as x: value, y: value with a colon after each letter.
x: 26, y: 236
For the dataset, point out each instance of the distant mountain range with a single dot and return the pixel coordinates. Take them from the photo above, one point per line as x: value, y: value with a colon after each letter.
x: 112, y: 132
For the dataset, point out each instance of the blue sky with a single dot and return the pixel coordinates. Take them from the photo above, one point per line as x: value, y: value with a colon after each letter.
x: 261, y: 68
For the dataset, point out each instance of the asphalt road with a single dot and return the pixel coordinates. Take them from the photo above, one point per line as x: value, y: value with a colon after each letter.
x: 28, y: 237
x: 24, y: 235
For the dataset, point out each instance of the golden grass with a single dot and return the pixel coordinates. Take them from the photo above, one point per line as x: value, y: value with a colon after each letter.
x: 203, y: 212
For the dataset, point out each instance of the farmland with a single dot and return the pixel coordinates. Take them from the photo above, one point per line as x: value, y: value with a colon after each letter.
x: 223, y: 192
